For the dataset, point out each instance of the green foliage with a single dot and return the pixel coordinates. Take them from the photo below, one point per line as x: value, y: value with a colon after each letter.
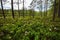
x: 28, y: 29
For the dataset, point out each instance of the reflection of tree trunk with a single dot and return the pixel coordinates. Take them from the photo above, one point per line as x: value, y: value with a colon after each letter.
x: 12, y: 8
x: 54, y: 10
x: 59, y: 9
x: 18, y: 8
x: 23, y: 8
x: 2, y: 9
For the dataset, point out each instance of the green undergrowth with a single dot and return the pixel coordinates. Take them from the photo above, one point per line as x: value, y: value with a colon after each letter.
x: 29, y: 29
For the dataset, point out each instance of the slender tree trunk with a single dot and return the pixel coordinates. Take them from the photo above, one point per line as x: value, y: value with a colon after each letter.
x: 26, y: 12
x: 33, y: 10
x: 59, y: 10
x: 12, y: 8
x: 33, y: 13
x: 18, y: 8
x: 2, y: 9
x: 54, y: 10
x: 23, y: 8
x: 44, y: 10
x: 41, y: 8
x: 46, y: 6
x: 30, y: 12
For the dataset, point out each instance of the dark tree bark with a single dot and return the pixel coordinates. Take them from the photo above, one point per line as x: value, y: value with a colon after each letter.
x: 55, y: 9
x: 59, y: 10
x: 2, y: 9
x: 12, y: 8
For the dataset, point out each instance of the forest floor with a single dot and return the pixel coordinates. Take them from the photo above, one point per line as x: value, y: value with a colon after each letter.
x: 29, y: 28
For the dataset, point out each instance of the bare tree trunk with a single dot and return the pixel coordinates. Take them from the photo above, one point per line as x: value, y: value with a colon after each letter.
x: 46, y: 6
x: 33, y: 13
x: 2, y: 9
x: 18, y: 8
x: 59, y: 9
x: 23, y: 8
x: 44, y: 10
x: 41, y: 8
x: 30, y: 12
x: 12, y: 8
x: 33, y: 10
x: 54, y: 10
x: 26, y: 12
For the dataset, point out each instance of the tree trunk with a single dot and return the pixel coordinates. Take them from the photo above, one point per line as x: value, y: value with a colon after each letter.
x: 33, y: 10
x: 18, y: 8
x: 23, y: 8
x: 46, y: 6
x: 2, y: 9
x: 46, y: 9
x: 41, y: 8
x: 12, y: 8
x: 30, y: 12
x: 54, y: 10
x: 59, y: 10
x: 33, y: 13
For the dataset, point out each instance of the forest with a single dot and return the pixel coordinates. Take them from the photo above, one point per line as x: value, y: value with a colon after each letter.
x: 29, y: 19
